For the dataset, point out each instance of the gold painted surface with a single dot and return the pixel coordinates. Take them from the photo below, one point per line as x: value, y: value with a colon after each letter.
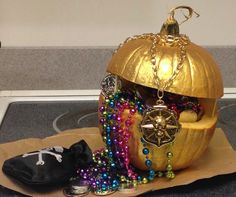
x: 199, y: 77
x: 190, y: 143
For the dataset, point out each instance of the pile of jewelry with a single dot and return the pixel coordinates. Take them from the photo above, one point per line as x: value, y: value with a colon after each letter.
x: 111, y: 169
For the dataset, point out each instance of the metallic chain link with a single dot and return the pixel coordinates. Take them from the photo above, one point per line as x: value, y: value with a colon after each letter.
x: 179, y: 41
x: 135, y: 37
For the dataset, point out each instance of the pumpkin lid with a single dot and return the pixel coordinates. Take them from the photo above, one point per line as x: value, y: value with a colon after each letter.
x: 196, y: 72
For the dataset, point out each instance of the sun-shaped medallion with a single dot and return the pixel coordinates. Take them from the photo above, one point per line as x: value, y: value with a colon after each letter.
x: 159, y: 125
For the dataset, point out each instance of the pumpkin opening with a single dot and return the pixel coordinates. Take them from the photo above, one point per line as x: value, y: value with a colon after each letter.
x: 189, y: 109
x: 204, y: 117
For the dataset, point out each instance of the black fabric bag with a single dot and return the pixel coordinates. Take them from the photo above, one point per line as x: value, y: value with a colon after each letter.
x: 49, y: 166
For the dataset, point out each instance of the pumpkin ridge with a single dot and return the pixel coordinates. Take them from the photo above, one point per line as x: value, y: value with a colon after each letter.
x: 183, y: 150
x: 178, y: 156
x: 129, y: 59
x: 202, y: 67
x: 190, y: 70
x: 139, y: 67
x: 160, y: 57
x: 202, y: 144
x: 173, y: 66
x: 210, y: 70
x: 213, y: 73
x: 197, y: 149
x: 209, y: 74
x: 206, y: 72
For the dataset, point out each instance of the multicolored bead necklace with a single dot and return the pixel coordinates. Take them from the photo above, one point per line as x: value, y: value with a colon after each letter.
x: 112, y: 166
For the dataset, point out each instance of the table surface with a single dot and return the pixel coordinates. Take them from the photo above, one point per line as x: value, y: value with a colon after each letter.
x: 26, y: 119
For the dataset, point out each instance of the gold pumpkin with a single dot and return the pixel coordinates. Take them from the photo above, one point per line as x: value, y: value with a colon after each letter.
x: 199, y: 77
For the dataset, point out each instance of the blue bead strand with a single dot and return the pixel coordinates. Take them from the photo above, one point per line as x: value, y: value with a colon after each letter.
x: 148, y: 163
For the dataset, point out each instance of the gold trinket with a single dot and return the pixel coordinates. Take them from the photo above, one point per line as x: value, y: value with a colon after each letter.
x: 159, y: 125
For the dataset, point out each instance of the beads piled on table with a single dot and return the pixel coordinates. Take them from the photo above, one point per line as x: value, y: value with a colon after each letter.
x: 101, y: 174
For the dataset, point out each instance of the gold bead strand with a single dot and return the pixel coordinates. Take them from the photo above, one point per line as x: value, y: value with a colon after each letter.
x: 169, y: 170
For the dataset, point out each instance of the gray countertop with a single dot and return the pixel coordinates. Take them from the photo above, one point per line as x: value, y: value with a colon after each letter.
x: 58, y: 68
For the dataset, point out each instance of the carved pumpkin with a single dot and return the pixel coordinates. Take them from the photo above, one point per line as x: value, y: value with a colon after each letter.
x: 199, y: 77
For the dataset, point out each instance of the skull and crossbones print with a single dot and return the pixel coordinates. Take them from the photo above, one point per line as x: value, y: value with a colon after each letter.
x: 48, y: 151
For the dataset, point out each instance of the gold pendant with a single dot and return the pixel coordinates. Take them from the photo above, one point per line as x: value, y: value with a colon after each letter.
x: 159, y: 125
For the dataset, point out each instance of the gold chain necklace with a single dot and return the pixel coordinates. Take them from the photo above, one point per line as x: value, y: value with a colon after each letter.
x: 160, y: 124
x: 181, y: 43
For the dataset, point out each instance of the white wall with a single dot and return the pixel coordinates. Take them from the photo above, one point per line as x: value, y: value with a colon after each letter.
x: 108, y: 22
